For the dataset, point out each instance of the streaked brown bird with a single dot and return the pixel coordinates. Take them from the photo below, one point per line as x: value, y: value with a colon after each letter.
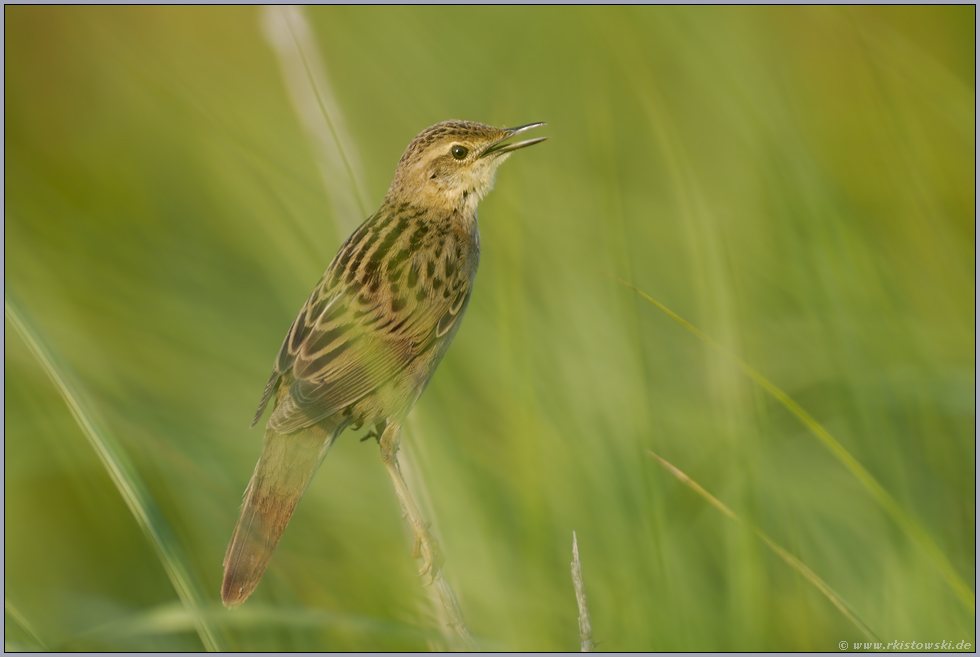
x: 372, y: 333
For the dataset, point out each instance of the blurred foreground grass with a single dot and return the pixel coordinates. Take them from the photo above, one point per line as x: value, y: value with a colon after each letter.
x: 797, y: 183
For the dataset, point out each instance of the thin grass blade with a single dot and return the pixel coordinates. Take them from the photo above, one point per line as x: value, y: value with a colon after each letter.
x: 901, y: 517
x: 124, y: 475
x: 790, y: 560
x: 25, y: 625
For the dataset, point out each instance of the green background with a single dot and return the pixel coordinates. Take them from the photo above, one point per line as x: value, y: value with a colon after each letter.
x: 797, y: 183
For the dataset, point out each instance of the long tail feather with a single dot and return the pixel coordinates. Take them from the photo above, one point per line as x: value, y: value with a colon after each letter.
x: 284, y: 470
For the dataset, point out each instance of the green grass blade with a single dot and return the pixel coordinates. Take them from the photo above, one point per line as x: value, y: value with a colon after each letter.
x: 908, y: 524
x: 124, y: 475
x: 172, y: 618
x: 25, y: 625
x: 790, y: 560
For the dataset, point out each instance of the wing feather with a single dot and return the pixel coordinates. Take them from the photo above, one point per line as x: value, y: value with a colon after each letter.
x: 391, y: 293
x: 353, y: 348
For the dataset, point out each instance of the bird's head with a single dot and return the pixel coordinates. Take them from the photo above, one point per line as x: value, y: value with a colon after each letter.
x: 452, y: 165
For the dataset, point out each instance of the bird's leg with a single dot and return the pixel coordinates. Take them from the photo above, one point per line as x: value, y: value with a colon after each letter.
x: 375, y: 433
x: 425, y: 545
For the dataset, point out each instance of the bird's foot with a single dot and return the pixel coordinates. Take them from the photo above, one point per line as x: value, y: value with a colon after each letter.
x: 371, y: 434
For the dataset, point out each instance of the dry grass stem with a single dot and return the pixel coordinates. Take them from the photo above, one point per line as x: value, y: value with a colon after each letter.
x: 294, y: 44
x: 429, y: 549
x: 584, y: 619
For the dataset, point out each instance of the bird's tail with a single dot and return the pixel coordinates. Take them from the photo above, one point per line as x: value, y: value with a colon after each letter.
x: 284, y: 470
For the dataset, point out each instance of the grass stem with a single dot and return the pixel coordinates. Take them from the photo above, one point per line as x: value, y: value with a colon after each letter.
x: 584, y: 619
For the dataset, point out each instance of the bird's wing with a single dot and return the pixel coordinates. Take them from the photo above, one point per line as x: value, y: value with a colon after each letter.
x: 352, y: 337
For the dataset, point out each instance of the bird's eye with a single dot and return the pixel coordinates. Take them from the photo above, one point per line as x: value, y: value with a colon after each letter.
x: 459, y: 152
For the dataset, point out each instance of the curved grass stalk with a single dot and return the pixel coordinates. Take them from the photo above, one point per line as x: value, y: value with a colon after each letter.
x: 901, y: 517
x: 441, y: 594
x: 126, y: 478
x: 292, y: 39
x: 792, y: 561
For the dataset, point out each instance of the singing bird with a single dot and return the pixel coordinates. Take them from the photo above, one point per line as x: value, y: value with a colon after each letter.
x: 372, y: 333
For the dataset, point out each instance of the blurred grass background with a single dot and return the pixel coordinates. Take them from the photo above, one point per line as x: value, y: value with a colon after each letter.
x: 798, y: 183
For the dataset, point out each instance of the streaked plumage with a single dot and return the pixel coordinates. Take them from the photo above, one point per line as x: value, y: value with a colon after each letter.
x: 372, y: 333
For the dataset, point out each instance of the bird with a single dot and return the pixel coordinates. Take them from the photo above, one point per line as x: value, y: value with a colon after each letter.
x: 371, y: 334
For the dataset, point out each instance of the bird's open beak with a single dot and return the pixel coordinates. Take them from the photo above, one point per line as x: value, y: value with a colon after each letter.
x: 500, y: 147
